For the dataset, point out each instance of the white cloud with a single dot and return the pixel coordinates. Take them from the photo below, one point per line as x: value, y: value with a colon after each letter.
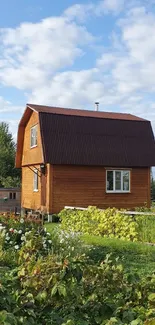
x: 8, y: 107
x: 71, y: 88
x: 39, y: 58
x: 123, y: 78
x: 107, y: 6
x: 81, y: 12
x: 33, y: 52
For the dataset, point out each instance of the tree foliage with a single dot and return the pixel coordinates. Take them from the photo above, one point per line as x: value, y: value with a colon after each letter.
x: 9, y: 175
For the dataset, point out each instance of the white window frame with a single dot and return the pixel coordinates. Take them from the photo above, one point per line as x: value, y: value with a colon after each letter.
x: 33, y: 139
x: 35, y: 180
x: 114, y: 180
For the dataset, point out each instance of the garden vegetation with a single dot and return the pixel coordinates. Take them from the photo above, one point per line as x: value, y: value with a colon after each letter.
x: 51, y: 278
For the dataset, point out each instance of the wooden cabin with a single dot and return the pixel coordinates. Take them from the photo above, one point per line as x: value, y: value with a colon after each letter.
x: 10, y: 200
x: 79, y: 158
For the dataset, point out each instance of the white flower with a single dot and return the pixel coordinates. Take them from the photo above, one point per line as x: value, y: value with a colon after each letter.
x: 15, y: 231
x: 1, y: 227
x: 21, y: 220
x: 7, y: 238
x: 20, y: 231
x: 16, y: 246
x: 50, y: 241
x: 11, y: 242
x: 23, y: 238
x: 48, y: 234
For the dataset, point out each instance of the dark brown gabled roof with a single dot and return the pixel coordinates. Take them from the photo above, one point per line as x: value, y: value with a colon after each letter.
x: 79, y: 137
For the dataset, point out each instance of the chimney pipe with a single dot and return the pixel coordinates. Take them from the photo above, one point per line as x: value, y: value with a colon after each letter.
x: 97, y: 106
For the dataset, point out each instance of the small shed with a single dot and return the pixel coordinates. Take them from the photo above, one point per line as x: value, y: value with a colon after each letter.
x: 10, y: 199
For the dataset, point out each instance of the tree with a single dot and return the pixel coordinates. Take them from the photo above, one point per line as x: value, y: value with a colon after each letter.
x: 9, y: 175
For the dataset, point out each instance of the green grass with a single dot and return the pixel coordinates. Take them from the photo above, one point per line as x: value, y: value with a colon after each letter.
x: 50, y: 226
x: 135, y: 257
x: 146, y: 228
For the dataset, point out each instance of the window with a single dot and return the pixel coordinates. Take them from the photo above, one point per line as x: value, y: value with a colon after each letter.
x: 35, y: 185
x: 34, y: 136
x: 117, y: 181
x: 12, y: 196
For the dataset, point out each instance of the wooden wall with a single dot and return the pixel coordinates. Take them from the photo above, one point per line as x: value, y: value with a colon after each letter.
x: 84, y: 186
x: 30, y: 199
x: 32, y: 155
x: 41, y: 199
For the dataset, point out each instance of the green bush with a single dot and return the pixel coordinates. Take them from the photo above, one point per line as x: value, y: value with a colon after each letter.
x: 146, y: 228
x: 108, y: 223
x: 50, y: 290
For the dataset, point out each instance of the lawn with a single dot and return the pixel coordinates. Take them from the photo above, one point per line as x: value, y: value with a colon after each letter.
x: 135, y: 257
x: 50, y: 226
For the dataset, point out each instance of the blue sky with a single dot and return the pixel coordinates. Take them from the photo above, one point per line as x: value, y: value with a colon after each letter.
x: 73, y: 53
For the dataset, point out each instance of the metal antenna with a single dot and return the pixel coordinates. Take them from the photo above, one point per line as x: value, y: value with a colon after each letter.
x: 97, y: 106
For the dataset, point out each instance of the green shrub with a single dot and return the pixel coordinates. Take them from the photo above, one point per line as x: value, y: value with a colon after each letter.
x: 146, y: 228
x: 108, y: 223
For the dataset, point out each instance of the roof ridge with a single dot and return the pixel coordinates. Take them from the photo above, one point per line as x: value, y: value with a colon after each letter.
x: 83, y: 112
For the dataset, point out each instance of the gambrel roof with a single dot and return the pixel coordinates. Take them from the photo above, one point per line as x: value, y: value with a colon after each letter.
x: 81, y: 137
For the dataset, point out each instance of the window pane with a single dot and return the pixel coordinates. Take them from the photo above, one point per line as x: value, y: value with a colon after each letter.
x: 126, y: 180
x: 110, y: 181
x: 35, y: 180
x: 118, y: 181
x: 14, y: 196
x: 34, y: 136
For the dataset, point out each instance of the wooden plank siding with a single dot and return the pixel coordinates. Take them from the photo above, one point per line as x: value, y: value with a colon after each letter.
x: 40, y: 200
x: 30, y: 199
x: 49, y: 188
x: 32, y: 155
x: 84, y: 186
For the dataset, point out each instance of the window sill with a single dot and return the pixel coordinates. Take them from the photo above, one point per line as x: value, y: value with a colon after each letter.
x: 119, y: 192
x: 35, y: 190
x: 33, y: 146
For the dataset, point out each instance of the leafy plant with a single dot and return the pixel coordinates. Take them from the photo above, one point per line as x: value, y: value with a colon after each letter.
x: 52, y: 281
x: 108, y: 223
